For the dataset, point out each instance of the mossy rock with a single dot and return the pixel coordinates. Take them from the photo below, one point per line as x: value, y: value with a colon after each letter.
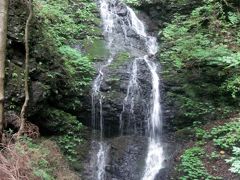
x: 119, y: 60
x: 14, y: 86
x: 95, y: 31
x: 15, y: 74
x: 114, y: 95
x: 113, y: 82
x: 95, y: 48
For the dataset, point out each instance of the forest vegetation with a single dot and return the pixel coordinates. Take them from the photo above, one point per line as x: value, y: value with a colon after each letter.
x: 48, y: 55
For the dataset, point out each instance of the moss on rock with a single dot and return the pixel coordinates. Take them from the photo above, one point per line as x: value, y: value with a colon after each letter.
x: 95, y: 48
x: 119, y: 60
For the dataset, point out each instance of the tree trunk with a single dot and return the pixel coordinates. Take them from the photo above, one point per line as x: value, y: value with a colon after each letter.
x: 26, y: 74
x: 3, y: 42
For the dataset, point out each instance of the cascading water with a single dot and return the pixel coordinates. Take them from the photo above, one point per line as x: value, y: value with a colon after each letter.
x: 97, y: 97
x: 132, y: 94
x: 155, y: 157
x: 117, y: 28
x: 154, y: 160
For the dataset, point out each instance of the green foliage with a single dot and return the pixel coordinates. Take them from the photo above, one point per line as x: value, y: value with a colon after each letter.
x: 58, y: 22
x: 201, y: 133
x: 192, y: 166
x: 69, y: 143
x: 138, y: 2
x: 226, y: 136
x: 61, y: 122
x: 69, y: 130
x: 234, y: 18
x: 41, y: 159
x: 60, y: 26
x: 195, y: 109
x: 133, y: 2
x: 200, y: 55
x: 214, y: 155
x: 232, y: 85
x: 235, y: 160
x: 79, y: 68
x: 86, y: 14
x: 120, y: 59
x: 62, y: 22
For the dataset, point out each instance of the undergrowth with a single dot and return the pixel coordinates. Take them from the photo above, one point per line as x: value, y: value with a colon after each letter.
x: 27, y: 159
x: 192, y: 166
x: 200, y: 56
x: 225, y: 140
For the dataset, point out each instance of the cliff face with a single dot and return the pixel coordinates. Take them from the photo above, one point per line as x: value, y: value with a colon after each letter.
x: 50, y: 82
x: 194, y: 83
x: 198, y: 41
x: 56, y: 80
x: 156, y: 16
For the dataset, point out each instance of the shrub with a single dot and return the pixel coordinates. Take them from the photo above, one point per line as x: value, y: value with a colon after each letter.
x: 192, y: 166
x: 226, y: 136
x: 79, y: 69
x: 200, y: 55
x: 235, y: 160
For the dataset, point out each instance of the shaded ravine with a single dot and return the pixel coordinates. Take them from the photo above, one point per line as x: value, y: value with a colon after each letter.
x: 124, y: 31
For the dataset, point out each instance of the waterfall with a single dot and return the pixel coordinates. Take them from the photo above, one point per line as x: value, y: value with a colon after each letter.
x: 116, y: 26
x: 132, y: 94
x: 155, y: 157
x: 97, y: 98
x: 136, y: 24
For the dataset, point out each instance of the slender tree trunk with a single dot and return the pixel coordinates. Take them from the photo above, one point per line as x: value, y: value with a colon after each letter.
x: 3, y: 42
x: 26, y: 75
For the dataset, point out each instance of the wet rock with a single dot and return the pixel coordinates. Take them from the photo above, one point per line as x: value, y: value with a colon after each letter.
x: 114, y: 89
x: 38, y: 92
x: 127, y: 155
x: 122, y: 11
x: 163, y: 174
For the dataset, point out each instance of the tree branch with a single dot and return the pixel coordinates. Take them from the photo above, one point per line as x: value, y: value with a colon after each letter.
x: 26, y: 75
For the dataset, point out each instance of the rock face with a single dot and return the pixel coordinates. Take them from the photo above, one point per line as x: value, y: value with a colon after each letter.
x: 115, y: 84
x: 156, y: 14
x: 48, y: 80
x: 125, y: 98
x: 114, y: 89
x: 124, y: 105
x: 127, y: 155
x: 121, y: 112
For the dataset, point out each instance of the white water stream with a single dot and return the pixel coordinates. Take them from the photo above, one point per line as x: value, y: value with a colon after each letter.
x: 132, y: 94
x: 155, y: 158
x: 97, y: 97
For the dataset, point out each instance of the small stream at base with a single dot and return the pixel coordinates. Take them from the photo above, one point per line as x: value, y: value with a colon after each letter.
x: 118, y: 21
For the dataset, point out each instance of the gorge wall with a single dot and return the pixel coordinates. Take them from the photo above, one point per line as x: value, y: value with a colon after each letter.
x: 198, y: 82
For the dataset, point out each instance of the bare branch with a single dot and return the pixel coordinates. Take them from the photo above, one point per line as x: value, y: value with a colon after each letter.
x: 26, y: 75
